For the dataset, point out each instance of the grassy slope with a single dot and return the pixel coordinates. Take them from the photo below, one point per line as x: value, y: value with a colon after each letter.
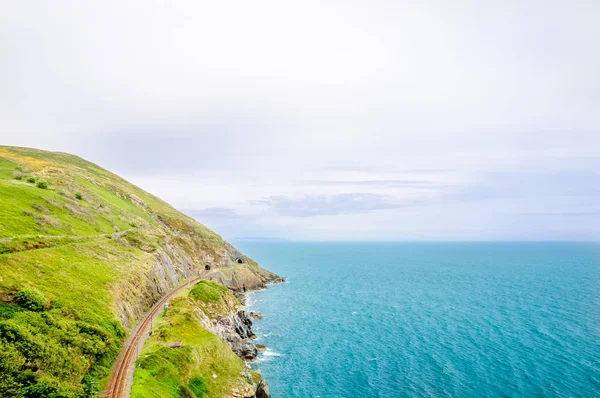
x: 74, y: 252
x: 190, y: 371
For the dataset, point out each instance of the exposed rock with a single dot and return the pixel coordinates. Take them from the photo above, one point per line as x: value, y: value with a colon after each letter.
x: 5, y: 296
x: 246, y: 350
x: 137, y: 201
x: 262, y: 391
x: 261, y: 347
x: 235, y: 330
x: 256, y: 315
x: 172, y: 265
x: 243, y: 325
x: 248, y: 392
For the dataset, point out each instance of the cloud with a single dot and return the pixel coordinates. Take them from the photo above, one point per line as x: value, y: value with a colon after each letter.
x: 348, y: 203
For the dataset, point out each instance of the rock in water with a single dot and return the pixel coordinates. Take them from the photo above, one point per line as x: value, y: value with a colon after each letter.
x: 262, y: 391
x: 256, y: 315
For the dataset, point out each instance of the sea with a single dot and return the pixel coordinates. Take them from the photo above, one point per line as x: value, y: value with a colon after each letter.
x: 429, y: 319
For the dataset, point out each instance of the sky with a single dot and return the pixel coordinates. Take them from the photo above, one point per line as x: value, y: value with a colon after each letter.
x: 323, y: 120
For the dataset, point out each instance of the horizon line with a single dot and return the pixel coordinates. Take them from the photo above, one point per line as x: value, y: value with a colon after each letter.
x: 284, y: 240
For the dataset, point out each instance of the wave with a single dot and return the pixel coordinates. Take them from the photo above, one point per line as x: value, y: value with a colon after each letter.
x: 269, y: 355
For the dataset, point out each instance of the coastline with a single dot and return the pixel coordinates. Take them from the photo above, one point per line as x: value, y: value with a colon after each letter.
x: 237, y: 331
x: 255, y: 315
x: 191, y: 321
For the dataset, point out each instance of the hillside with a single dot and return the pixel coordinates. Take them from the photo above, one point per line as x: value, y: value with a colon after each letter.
x: 206, y: 319
x: 83, y: 254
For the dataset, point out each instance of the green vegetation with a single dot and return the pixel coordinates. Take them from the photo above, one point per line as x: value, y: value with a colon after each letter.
x: 208, y: 291
x: 203, y: 367
x: 213, y: 298
x: 31, y: 180
x: 31, y: 299
x: 75, y: 274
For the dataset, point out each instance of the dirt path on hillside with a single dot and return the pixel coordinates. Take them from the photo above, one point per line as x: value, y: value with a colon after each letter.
x: 50, y: 237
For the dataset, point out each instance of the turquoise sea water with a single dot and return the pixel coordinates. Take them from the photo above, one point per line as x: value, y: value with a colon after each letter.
x: 430, y: 319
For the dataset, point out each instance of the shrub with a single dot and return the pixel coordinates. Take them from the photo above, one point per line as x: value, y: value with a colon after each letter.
x: 43, y: 389
x: 43, y: 184
x: 17, y: 174
x: 8, y: 310
x: 31, y: 180
x: 31, y: 298
x: 79, y: 196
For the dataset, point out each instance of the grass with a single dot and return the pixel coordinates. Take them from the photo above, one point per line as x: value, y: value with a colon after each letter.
x: 90, y: 260
x: 70, y: 217
x: 208, y: 292
x: 73, y: 279
x: 213, y: 299
x: 77, y: 259
x: 170, y: 372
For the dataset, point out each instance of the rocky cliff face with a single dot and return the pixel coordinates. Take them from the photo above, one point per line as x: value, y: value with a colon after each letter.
x: 173, y: 263
x: 235, y: 328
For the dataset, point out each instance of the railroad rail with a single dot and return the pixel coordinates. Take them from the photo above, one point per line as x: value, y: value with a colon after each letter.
x: 118, y: 384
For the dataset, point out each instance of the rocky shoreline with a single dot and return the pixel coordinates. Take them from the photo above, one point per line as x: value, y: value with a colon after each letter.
x: 235, y: 329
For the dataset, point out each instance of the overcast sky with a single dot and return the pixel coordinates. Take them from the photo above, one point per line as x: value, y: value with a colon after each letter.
x: 323, y: 120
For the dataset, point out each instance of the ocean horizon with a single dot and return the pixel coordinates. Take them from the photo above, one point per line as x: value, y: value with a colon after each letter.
x: 430, y: 319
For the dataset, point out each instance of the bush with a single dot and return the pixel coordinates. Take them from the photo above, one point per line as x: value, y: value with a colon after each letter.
x: 79, y: 196
x: 31, y: 298
x: 43, y: 389
x: 17, y: 174
x: 31, y: 180
x: 8, y: 310
x: 43, y: 184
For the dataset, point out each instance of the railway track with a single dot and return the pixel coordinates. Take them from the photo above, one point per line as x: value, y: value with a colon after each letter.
x: 118, y: 384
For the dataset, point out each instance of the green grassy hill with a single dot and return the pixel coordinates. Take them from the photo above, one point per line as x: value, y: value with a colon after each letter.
x: 83, y: 254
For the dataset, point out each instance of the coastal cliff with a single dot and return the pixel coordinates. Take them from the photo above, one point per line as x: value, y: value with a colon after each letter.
x: 83, y: 255
x: 204, y: 323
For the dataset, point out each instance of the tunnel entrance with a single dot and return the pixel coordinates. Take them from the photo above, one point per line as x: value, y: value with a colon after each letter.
x: 207, y: 267
x: 240, y: 261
